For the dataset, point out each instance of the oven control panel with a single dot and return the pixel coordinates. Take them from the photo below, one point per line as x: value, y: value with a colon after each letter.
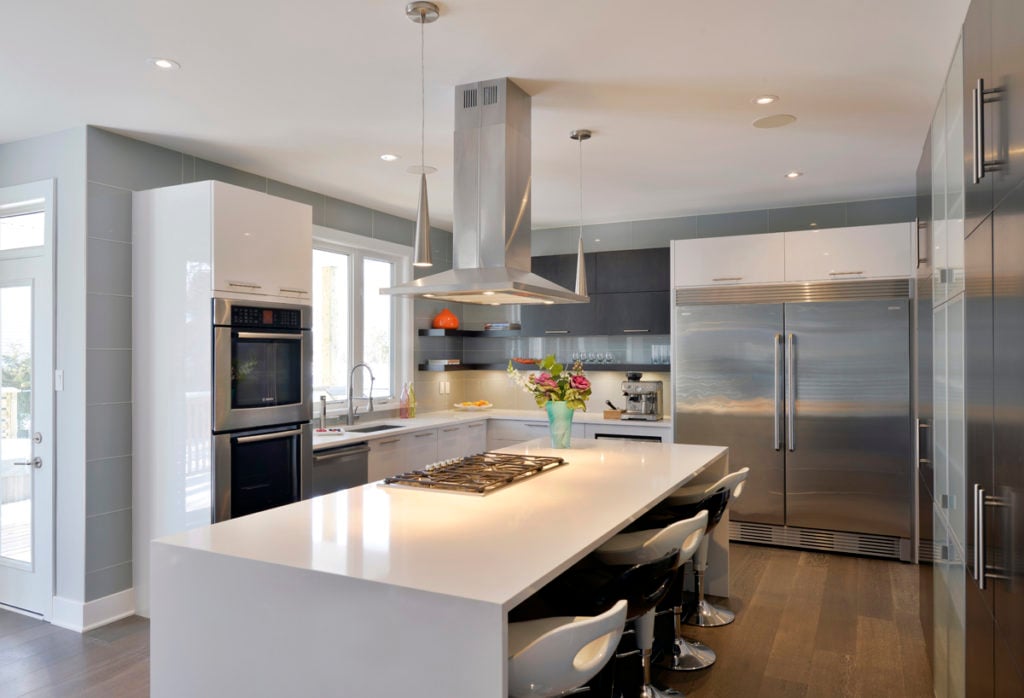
x: 266, y: 318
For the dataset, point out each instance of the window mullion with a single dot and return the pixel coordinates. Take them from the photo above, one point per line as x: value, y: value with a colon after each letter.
x: 356, y: 335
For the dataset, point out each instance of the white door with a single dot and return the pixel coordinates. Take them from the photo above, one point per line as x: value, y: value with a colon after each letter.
x: 26, y: 397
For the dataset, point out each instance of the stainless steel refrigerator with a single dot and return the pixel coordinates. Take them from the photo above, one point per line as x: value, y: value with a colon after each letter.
x: 809, y: 386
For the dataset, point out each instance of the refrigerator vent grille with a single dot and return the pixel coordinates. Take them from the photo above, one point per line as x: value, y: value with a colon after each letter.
x: 469, y: 98
x: 929, y: 551
x: 813, y: 539
x: 797, y: 292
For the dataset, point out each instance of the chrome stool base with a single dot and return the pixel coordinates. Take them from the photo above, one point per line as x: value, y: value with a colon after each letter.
x: 688, y: 655
x: 651, y: 691
x: 707, y: 615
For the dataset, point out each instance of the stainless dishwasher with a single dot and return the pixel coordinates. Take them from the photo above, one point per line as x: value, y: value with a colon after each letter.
x: 340, y: 468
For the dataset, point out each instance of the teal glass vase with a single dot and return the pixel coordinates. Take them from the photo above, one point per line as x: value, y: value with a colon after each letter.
x: 559, y: 423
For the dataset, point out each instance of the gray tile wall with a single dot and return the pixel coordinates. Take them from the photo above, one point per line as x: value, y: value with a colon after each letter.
x: 658, y: 232
x: 116, y: 166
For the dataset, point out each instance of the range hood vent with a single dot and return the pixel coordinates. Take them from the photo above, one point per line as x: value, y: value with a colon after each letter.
x: 491, y: 238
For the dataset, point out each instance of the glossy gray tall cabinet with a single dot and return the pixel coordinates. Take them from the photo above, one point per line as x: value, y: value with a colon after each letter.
x: 977, y: 618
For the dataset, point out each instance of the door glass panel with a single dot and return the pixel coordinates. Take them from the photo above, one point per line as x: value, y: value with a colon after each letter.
x: 22, y: 230
x: 266, y: 372
x: 332, y: 324
x: 377, y: 324
x: 16, y: 423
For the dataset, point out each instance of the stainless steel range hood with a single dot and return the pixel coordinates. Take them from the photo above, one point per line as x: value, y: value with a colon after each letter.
x: 491, y: 239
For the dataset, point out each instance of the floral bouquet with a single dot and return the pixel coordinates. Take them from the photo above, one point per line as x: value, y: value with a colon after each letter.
x: 555, y: 384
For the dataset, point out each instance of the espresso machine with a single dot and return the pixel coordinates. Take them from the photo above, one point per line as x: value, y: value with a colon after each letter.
x: 643, y: 398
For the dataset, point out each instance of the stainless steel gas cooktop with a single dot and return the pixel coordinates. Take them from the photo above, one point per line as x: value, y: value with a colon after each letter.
x: 478, y: 474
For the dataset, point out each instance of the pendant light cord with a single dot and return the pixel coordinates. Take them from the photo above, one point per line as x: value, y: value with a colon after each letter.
x: 423, y: 98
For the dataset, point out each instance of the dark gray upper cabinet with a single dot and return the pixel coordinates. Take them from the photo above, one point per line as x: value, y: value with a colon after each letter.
x: 631, y: 270
x: 977, y: 52
x: 636, y: 313
x: 628, y: 295
x: 1007, y: 139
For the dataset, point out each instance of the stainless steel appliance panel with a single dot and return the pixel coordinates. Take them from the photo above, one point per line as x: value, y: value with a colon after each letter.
x: 282, y: 357
x: 270, y: 466
x: 848, y: 461
x: 728, y: 392
x: 340, y: 468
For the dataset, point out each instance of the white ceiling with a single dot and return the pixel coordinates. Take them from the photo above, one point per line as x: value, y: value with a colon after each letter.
x: 312, y: 92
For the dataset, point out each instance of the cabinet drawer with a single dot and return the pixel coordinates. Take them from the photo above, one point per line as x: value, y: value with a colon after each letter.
x: 516, y: 431
x: 843, y: 254
x: 739, y: 259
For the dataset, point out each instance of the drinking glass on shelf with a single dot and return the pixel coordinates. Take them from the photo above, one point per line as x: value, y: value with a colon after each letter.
x: 609, y: 358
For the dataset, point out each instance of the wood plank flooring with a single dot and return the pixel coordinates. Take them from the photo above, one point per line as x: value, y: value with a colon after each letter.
x: 808, y: 624
x: 813, y: 624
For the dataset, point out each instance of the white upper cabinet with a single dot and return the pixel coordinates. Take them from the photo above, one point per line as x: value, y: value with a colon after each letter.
x: 839, y: 254
x: 262, y: 244
x: 722, y: 261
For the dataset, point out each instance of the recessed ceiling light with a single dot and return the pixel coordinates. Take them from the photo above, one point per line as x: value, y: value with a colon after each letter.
x: 164, y: 63
x: 495, y: 303
x: 549, y: 302
x: 775, y: 121
x: 488, y: 293
x: 765, y: 99
x: 597, y: 239
x: 794, y: 174
x: 388, y: 157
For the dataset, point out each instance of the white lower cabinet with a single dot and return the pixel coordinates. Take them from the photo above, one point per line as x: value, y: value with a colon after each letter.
x: 398, y: 454
x: 633, y: 430
x: 460, y: 440
x: 508, y: 432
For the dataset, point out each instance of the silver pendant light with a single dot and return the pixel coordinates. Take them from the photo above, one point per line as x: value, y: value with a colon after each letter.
x: 580, y: 135
x: 422, y: 13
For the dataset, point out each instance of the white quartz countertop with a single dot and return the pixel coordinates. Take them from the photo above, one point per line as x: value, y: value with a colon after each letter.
x: 496, y: 549
x: 446, y: 417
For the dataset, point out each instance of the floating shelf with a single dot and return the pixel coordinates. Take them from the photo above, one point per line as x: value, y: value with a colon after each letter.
x: 644, y: 368
x: 467, y: 333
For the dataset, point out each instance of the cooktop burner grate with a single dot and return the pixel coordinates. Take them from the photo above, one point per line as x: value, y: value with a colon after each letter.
x: 478, y: 474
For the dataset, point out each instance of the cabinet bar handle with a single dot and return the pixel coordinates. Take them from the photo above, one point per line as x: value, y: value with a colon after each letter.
x: 844, y: 273
x: 294, y: 290
x: 420, y: 436
x: 451, y: 429
x: 556, y: 331
x: 728, y: 278
x: 635, y: 331
x: 979, y: 536
x: 244, y: 284
x: 537, y: 426
x: 790, y: 392
x: 475, y: 425
x: 981, y: 96
x: 389, y: 441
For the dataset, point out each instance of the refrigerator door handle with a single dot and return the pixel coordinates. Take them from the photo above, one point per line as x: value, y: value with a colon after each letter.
x: 776, y: 416
x: 790, y: 393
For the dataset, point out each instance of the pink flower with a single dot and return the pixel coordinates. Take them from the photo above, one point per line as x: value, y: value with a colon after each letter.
x: 579, y: 382
x: 545, y: 380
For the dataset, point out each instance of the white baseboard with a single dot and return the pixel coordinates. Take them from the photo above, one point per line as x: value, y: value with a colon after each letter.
x: 83, y: 617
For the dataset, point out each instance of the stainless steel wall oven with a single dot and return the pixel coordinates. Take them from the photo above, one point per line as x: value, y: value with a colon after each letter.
x: 262, y: 406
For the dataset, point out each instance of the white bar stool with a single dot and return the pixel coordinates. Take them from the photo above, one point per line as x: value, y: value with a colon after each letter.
x: 644, y: 546
x: 554, y: 656
x: 707, y: 615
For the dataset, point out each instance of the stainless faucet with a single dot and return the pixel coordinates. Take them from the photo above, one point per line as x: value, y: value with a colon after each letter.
x: 352, y: 413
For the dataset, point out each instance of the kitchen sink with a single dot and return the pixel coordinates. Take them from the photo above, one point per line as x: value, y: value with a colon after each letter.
x: 375, y: 427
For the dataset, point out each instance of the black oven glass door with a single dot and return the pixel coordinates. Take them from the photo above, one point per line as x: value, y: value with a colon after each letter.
x: 259, y: 469
x: 266, y: 369
x: 261, y: 378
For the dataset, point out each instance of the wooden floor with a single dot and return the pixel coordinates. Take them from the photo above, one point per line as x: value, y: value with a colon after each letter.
x: 808, y: 624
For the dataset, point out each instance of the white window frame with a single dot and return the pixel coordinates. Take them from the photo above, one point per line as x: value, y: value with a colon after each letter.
x: 359, y: 247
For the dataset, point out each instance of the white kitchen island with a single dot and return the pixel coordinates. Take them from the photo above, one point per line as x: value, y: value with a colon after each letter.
x: 386, y: 591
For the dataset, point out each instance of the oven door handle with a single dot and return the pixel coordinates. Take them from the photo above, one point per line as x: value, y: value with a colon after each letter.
x: 267, y: 437
x: 270, y: 335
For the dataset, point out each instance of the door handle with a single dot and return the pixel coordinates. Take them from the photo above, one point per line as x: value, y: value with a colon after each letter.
x: 790, y: 391
x: 980, y: 97
x: 776, y: 418
x: 36, y: 462
x: 297, y: 337
x: 267, y: 437
x: 981, y: 569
